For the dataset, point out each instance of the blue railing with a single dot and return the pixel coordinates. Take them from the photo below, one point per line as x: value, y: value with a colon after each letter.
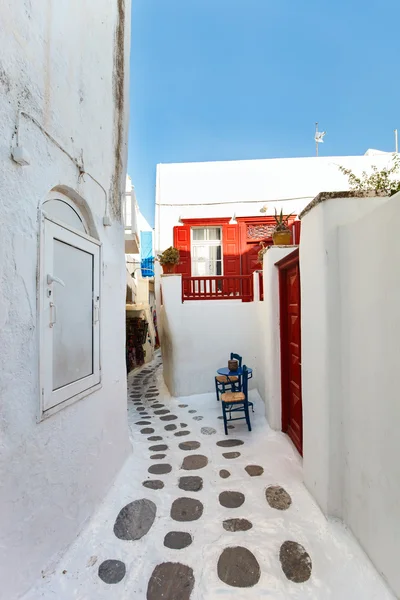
x: 147, y: 266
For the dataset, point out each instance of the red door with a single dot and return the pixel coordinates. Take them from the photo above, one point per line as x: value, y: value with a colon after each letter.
x: 289, y: 289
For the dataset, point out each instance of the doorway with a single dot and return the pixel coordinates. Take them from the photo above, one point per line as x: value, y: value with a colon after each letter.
x: 290, y: 329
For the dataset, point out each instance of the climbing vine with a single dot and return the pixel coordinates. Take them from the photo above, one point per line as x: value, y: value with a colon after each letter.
x: 383, y: 180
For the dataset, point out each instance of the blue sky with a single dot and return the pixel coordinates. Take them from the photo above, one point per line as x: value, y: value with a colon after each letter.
x: 242, y: 79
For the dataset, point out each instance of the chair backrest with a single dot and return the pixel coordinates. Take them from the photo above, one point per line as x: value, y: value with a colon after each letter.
x: 245, y: 381
x: 237, y: 357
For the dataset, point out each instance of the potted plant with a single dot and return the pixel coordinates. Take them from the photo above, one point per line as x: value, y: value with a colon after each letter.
x: 169, y: 259
x: 282, y: 235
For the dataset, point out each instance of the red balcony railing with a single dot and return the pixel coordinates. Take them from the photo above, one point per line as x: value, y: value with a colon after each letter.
x: 238, y: 287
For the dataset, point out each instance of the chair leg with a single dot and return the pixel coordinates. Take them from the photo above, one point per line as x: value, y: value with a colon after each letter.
x: 225, y: 421
x: 216, y: 389
x: 246, y: 412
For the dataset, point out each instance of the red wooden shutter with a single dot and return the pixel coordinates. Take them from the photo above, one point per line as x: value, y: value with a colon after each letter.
x: 231, y: 252
x: 182, y: 242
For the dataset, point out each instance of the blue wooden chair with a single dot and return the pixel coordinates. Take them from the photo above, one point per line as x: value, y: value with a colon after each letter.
x: 224, y: 383
x: 234, y: 402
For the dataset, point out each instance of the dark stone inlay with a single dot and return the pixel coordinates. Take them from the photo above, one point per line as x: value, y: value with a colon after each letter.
x: 192, y: 411
x: 277, y: 497
x: 177, y: 540
x: 153, y: 484
x: 231, y: 499
x: 231, y: 427
x: 158, y: 405
x: 295, y: 561
x: 237, y: 525
x: 168, y: 418
x: 254, y: 470
x: 194, y: 462
x: 151, y: 395
x: 220, y: 417
x: 180, y: 433
x: 182, y: 405
x: 159, y: 448
x: 147, y: 430
x: 183, y: 424
x: 143, y: 423
x: 155, y: 438
x: 143, y: 413
x: 198, y: 418
x: 208, y: 430
x: 157, y: 456
x: 238, y: 567
x: 231, y: 454
x: 140, y: 407
x: 192, y: 483
x: 186, y: 509
x: 230, y: 443
x: 160, y: 469
x: 112, y: 571
x: 224, y: 474
x: 162, y: 411
x: 170, y: 581
x: 171, y: 427
x: 189, y: 445
x: 135, y: 519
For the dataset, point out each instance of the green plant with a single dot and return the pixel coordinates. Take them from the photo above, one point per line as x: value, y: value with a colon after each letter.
x: 281, y: 221
x: 170, y: 256
x: 382, y: 181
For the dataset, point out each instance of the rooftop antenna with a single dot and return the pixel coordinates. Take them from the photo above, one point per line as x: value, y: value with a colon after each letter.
x: 318, y: 138
x: 396, y: 141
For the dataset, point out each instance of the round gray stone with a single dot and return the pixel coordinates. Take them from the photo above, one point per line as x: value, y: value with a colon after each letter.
x: 155, y: 438
x: 162, y: 411
x: 158, y: 448
x: 199, y: 418
x: 230, y: 443
x: 147, y: 430
x: 237, y: 525
x: 112, y: 571
x: 183, y: 424
x: 170, y: 427
x: 295, y: 561
x: 192, y: 411
x: 135, y: 519
x: 142, y: 423
x: 238, y: 567
x: 170, y: 581
x: 208, y: 430
x: 140, y: 407
x: 168, y: 418
x: 189, y: 445
x: 277, y: 497
x: 194, y: 462
x: 153, y: 484
x: 231, y: 454
x: 181, y: 433
x: 160, y: 469
x: 158, y: 405
x: 231, y: 499
x: 254, y: 470
x: 157, y: 456
x: 182, y: 405
x: 177, y: 540
x: 192, y: 483
x: 224, y: 474
x: 186, y: 509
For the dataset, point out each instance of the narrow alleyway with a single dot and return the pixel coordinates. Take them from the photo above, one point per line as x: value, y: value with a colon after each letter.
x: 195, y: 514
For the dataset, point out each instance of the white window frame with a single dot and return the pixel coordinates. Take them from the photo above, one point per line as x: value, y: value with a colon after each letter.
x: 206, y: 243
x: 77, y: 390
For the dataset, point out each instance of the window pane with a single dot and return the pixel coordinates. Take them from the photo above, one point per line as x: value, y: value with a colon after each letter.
x: 213, y: 233
x: 198, y: 234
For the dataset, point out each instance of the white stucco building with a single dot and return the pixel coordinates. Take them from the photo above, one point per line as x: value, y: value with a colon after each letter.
x: 63, y: 123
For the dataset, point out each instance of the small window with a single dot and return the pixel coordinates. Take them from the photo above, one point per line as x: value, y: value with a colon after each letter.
x: 69, y: 315
x: 206, y: 252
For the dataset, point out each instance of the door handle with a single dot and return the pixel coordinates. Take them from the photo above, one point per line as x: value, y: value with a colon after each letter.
x: 53, y: 314
x: 52, y: 279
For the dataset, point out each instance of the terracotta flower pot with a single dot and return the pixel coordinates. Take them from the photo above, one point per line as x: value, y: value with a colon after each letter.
x: 168, y: 268
x: 282, y: 238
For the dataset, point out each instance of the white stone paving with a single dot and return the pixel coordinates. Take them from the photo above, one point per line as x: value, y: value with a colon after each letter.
x: 340, y: 570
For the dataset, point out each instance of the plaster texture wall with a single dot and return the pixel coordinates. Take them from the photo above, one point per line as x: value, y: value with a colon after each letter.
x: 64, y: 66
x: 198, y: 337
x: 370, y: 358
x: 322, y: 345
x: 243, y: 187
x: 269, y: 345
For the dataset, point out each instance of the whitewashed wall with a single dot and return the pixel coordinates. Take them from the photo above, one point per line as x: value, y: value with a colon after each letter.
x: 198, y: 337
x: 243, y: 187
x: 369, y: 258
x: 58, y: 63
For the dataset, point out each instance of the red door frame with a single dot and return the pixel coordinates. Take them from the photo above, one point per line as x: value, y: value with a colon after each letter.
x: 283, y: 265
